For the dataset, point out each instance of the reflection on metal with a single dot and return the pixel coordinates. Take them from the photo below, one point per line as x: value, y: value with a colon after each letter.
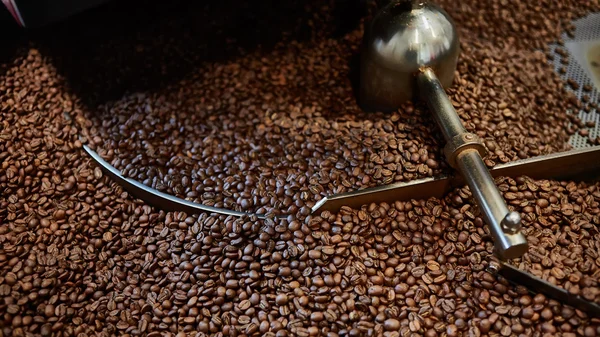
x: 403, y: 37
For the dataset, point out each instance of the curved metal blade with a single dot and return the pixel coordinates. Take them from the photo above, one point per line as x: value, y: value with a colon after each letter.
x: 538, y: 285
x: 157, y: 198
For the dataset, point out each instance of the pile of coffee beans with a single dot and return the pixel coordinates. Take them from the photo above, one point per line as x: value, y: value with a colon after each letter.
x: 516, y: 41
x: 277, y: 128
x: 525, y: 25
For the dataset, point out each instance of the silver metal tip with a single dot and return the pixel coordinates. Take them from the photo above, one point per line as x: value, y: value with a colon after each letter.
x: 512, y: 222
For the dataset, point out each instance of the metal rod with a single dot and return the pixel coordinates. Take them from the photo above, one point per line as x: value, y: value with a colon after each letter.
x: 509, y: 242
x: 463, y: 154
x: 431, y: 90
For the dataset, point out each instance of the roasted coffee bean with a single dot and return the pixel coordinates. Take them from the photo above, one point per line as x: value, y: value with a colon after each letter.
x: 391, y: 324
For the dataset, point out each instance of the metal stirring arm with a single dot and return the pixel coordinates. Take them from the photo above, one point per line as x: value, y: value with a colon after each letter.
x: 538, y: 285
x: 408, y: 40
x: 464, y: 151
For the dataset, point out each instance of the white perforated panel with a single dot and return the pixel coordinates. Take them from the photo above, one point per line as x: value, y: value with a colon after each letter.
x: 587, y: 29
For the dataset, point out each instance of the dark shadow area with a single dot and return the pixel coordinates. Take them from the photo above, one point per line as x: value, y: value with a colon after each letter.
x: 354, y: 76
x: 139, y: 45
x: 12, y: 37
x: 347, y: 14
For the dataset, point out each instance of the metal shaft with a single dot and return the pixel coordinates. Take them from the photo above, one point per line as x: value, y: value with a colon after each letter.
x: 463, y: 152
x: 496, y: 214
x: 433, y: 93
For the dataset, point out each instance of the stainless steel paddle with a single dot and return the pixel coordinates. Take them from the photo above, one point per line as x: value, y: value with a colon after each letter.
x: 410, y: 50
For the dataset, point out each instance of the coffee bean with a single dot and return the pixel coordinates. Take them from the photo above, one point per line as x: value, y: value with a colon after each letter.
x: 244, y: 305
x: 10, y: 279
x: 418, y: 271
x: 433, y: 265
x: 452, y: 330
x: 49, y: 310
x: 391, y: 324
x: 506, y: 331
x: 281, y: 299
x: 546, y: 314
x: 316, y: 316
x: 558, y: 273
